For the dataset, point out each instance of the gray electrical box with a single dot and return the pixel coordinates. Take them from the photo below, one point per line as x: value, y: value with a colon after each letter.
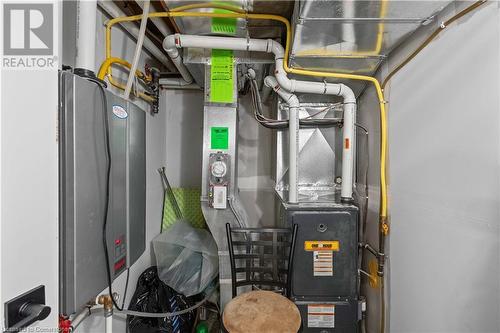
x: 325, y: 278
x: 83, y: 166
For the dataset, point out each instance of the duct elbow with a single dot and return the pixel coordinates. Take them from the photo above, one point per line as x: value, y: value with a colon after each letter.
x: 275, y: 48
x: 169, y: 43
x: 271, y: 82
x: 282, y: 78
x: 293, y: 101
x: 347, y: 94
x: 284, y: 81
x: 288, y: 97
x: 170, y: 46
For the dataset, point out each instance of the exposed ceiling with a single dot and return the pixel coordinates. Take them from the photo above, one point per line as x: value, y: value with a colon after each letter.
x: 349, y: 36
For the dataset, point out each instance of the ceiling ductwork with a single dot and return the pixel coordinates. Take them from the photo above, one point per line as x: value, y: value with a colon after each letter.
x: 354, y: 37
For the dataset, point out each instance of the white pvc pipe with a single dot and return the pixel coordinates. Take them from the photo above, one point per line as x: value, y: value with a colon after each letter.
x: 173, y: 42
x: 348, y: 146
x: 114, y: 11
x: 293, y: 136
x: 108, y: 328
x: 85, y: 35
x: 177, y: 83
x: 138, y: 49
x: 170, y: 46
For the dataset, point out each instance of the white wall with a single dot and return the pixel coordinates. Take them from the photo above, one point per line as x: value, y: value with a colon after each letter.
x: 444, y: 179
x: 29, y: 183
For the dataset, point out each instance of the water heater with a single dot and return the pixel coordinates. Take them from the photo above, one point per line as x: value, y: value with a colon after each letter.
x: 83, y: 169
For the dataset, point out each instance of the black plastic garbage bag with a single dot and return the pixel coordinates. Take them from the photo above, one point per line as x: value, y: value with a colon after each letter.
x: 152, y: 295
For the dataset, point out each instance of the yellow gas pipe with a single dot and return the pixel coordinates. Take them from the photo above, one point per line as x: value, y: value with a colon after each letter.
x: 104, y: 72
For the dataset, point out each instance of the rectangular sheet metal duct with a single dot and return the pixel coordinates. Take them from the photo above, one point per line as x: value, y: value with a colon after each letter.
x: 354, y: 36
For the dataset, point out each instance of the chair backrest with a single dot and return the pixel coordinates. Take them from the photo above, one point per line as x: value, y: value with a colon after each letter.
x: 261, y: 257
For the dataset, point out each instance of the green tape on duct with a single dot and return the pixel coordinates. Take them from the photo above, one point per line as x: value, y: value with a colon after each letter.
x: 221, y: 77
x: 225, y: 26
x: 219, y: 138
x: 188, y: 200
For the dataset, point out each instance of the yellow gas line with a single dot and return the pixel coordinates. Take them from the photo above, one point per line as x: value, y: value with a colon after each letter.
x: 104, y: 72
x: 113, y: 60
x: 178, y: 12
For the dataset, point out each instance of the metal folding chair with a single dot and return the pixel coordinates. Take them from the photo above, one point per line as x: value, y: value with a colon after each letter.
x: 261, y: 257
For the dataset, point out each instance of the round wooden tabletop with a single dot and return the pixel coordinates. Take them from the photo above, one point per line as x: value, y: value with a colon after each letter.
x: 261, y: 311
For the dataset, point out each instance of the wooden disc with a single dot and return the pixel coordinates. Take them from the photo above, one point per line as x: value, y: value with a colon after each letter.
x: 261, y: 311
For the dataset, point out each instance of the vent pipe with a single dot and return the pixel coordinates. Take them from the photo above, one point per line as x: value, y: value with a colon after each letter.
x: 85, y: 35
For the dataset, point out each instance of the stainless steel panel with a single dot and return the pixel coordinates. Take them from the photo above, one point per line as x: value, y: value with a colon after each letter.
x: 83, y: 188
x: 117, y: 217
x: 83, y: 183
x: 136, y: 188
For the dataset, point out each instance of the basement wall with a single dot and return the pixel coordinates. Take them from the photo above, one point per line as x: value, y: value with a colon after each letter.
x: 444, y: 175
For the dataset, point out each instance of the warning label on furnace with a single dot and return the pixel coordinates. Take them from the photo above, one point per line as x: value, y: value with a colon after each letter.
x: 321, y: 315
x: 322, y: 263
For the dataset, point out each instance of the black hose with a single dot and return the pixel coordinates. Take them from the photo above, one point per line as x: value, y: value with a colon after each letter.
x: 108, y: 179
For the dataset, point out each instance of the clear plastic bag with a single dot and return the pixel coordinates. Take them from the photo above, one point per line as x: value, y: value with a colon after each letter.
x: 186, y: 258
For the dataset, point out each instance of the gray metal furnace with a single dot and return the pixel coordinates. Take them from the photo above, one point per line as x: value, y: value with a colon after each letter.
x: 325, y: 276
x: 83, y: 167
